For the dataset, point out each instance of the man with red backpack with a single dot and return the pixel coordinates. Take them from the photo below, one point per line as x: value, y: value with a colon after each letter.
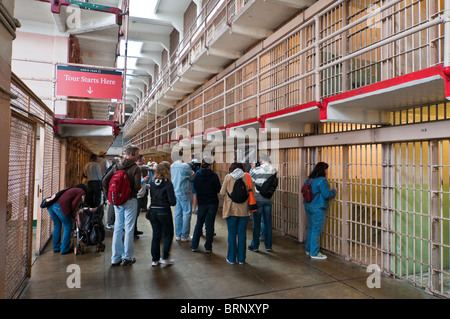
x: 122, y: 184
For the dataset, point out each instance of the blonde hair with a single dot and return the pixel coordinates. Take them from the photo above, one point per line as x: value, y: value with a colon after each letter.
x: 162, y: 171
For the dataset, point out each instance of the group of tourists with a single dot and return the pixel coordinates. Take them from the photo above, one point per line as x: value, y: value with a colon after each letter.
x: 191, y: 188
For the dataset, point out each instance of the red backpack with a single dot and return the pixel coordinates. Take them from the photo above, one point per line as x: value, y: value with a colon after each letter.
x: 308, y: 195
x: 119, y: 190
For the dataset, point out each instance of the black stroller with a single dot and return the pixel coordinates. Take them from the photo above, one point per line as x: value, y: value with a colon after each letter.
x: 90, y: 229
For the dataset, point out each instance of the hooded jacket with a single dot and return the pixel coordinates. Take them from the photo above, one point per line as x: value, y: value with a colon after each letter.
x: 231, y: 208
x: 207, y: 185
x: 259, y: 175
x: 133, y: 173
x: 162, y: 194
x: 321, y: 187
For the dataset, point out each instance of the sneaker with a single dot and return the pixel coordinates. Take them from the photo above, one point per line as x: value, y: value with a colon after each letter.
x: 231, y: 263
x: 116, y: 263
x: 269, y: 250
x: 177, y: 238
x: 208, y: 251
x: 194, y: 249
x: 319, y: 256
x: 166, y: 261
x: 128, y: 262
x: 109, y: 227
x: 253, y: 249
x: 307, y: 253
x: 183, y: 240
x: 155, y: 263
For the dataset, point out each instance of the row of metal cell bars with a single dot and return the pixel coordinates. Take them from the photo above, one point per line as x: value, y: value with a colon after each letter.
x: 19, y: 225
x: 286, y: 200
x: 391, y: 209
x: 419, y: 220
x: 333, y: 230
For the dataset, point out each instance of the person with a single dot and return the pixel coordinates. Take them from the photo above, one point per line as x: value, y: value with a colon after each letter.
x: 104, y: 165
x: 207, y: 184
x: 181, y: 175
x: 160, y: 215
x: 259, y: 175
x: 195, y: 166
x: 316, y: 210
x: 237, y: 215
x: 62, y: 213
x: 143, y: 192
x: 103, y: 162
x: 110, y: 217
x: 93, y: 174
x: 125, y: 215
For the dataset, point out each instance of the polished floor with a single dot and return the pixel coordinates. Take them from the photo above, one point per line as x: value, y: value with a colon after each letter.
x: 284, y: 273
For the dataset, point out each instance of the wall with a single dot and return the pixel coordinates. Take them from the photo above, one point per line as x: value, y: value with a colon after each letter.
x: 38, y: 71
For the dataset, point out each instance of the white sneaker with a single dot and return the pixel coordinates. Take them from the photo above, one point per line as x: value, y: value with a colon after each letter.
x: 183, y: 240
x: 166, y: 261
x: 229, y: 262
x: 177, y: 238
x: 319, y: 256
x: 155, y: 263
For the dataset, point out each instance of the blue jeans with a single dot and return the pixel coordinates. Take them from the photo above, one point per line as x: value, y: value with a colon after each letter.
x: 237, y: 229
x: 264, y: 214
x: 59, y: 219
x: 182, y: 212
x: 316, y: 220
x: 206, y: 214
x: 125, y: 217
x: 162, y: 223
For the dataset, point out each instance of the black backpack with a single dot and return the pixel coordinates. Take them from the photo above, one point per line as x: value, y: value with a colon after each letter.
x: 91, y: 226
x: 267, y: 189
x: 239, y: 193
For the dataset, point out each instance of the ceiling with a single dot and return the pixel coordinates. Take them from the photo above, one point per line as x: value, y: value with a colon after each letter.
x: 99, y: 28
x: 99, y: 35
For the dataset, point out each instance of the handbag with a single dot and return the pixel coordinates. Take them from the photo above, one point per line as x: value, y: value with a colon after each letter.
x: 252, y: 206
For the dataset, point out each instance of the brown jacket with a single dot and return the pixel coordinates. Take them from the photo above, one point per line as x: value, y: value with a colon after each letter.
x: 231, y: 208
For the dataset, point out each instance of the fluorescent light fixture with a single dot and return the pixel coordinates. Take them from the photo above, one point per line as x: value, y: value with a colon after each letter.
x: 134, y: 48
x: 143, y: 8
x: 131, y: 63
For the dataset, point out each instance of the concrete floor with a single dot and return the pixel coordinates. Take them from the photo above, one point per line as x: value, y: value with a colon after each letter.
x: 284, y: 273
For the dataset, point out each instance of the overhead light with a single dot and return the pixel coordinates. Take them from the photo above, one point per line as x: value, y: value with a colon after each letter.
x: 131, y: 63
x: 134, y: 48
x: 143, y: 8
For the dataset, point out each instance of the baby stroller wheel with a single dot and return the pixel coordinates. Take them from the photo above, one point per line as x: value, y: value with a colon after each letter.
x: 100, y: 247
x: 79, y: 250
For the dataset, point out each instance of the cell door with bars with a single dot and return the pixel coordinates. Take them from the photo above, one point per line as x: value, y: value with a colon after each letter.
x: 333, y: 237
x: 19, y: 226
x: 286, y: 200
x: 419, y: 241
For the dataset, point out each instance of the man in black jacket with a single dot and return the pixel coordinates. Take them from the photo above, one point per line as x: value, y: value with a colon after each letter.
x: 207, y: 185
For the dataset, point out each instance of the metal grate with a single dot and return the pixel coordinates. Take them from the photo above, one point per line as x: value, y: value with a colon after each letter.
x: 20, y: 186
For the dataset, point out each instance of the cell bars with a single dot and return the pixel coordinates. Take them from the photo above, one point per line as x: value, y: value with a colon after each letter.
x: 392, y: 207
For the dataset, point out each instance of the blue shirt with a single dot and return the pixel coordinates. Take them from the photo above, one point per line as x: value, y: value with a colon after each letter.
x: 181, y: 178
x: 321, y: 187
